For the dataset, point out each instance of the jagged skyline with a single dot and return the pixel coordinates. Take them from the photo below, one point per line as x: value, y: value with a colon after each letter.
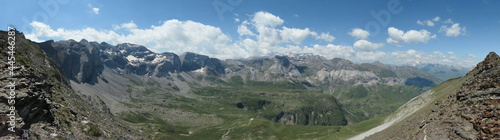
x: 393, y: 32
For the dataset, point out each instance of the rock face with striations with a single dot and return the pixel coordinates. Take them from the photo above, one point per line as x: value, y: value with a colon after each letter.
x: 79, y: 60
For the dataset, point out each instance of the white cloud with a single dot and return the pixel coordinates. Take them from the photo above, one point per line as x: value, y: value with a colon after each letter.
x: 243, y: 30
x: 391, y: 41
x: 95, y: 10
x: 426, y: 22
x: 256, y: 40
x: 359, y: 33
x: 436, y: 19
x: 411, y: 36
x: 131, y: 25
x: 325, y: 37
x: 236, y: 20
x: 365, y: 45
x: 420, y: 22
x: 173, y: 35
x: 263, y: 19
x: 295, y: 15
x: 271, y: 37
x: 331, y: 51
x: 448, y: 21
x: 472, y: 55
x: 453, y: 31
x: 295, y: 35
x: 430, y: 23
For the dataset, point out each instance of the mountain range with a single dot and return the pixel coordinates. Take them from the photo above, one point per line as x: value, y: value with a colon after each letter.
x: 90, y: 90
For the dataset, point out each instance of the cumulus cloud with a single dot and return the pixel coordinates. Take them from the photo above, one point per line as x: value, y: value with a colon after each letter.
x: 294, y: 34
x: 173, y: 35
x: 411, y: 36
x: 436, y: 19
x: 263, y: 34
x: 267, y: 36
x: 359, y: 33
x: 331, y: 51
x: 365, y: 45
x: 426, y: 22
x: 263, y: 19
x: 243, y: 30
x: 131, y: 25
x: 325, y: 37
x: 420, y: 22
x: 95, y: 10
x: 448, y: 21
x: 453, y: 31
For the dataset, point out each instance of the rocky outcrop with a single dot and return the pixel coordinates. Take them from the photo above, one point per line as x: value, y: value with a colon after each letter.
x: 479, y: 98
x: 192, y: 62
x: 45, y: 106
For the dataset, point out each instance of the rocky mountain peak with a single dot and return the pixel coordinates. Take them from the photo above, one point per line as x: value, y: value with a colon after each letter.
x: 491, y: 60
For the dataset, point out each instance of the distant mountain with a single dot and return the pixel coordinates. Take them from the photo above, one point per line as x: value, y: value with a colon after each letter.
x: 170, y: 96
x: 443, y: 72
x: 460, y: 108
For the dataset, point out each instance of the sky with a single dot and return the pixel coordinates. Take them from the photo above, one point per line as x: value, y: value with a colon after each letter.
x: 396, y: 32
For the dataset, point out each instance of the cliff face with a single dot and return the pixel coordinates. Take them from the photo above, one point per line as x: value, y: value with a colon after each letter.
x: 45, y: 106
x: 465, y: 108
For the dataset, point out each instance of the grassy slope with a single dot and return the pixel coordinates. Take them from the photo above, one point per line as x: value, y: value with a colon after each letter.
x: 369, y: 102
x: 355, y: 129
x: 262, y: 100
x: 440, y: 93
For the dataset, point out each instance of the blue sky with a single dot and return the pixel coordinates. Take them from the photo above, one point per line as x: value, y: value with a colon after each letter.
x: 391, y: 31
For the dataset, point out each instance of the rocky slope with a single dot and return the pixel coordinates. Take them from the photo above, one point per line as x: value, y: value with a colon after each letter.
x: 464, y: 108
x: 46, y: 107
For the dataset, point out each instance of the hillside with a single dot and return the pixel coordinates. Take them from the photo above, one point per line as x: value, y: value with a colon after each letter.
x: 45, y: 105
x: 462, y: 108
